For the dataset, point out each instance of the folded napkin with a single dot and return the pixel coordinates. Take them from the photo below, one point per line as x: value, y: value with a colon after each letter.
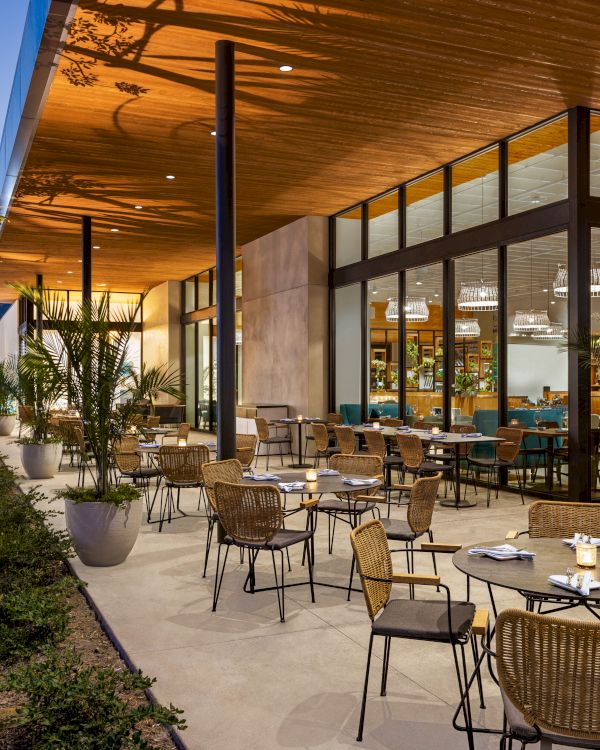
x: 441, y: 436
x: 210, y: 445
x: 578, y: 538
x: 581, y: 583
x: 288, y: 486
x: 149, y: 445
x: 502, y: 552
x: 359, y: 482
x: 264, y: 477
x: 328, y: 473
x: 374, y: 428
x: 471, y: 434
x: 403, y: 429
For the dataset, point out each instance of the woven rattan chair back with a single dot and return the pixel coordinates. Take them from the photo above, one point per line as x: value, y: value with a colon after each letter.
x: 375, y: 443
x: 333, y: 417
x: 392, y: 422
x: 548, y: 424
x: 245, y: 449
x: 78, y: 438
x: 127, y: 462
x: 321, y: 436
x: 510, y: 434
x: 251, y: 515
x: 365, y: 465
x: 373, y: 560
x: 421, y: 425
x: 346, y: 439
x: 153, y: 421
x: 411, y: 450
x: 25, y: 413
x: 423, y: 495
x: 126, y: 444
x: 183, y: 465
x: 183, y: 431
x: 463, y: 429
x: 559, y: 520
x: 262, y: 428
x: 508, y: 451
x: 230, y: 471
x: 136, y: 420
x: 549, y: 669
x: 66, y: 428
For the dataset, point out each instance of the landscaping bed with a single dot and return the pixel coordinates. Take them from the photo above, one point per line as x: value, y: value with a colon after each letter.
x: 62, y: 683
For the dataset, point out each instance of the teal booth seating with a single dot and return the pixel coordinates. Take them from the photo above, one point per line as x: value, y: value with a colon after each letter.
x: 351, y: 412
x: 486, y: 422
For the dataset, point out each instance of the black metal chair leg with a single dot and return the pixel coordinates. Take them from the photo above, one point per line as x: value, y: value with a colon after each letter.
x: 430, y: 534
x: 364, y: 697
x: 386, y: 663
x: 478, y: 673
x: 209, y: 534
x: 310, y: 571
x: 219, y: 579
x: 280, y: 602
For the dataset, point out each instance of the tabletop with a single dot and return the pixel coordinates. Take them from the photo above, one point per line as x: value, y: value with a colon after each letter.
x: 304, y: 420
x: 321, y: 486
x: 529, y: 576
x: 549, y: 432
x: 447, y: 438
x: 159, y: 430
x: 212, y: 447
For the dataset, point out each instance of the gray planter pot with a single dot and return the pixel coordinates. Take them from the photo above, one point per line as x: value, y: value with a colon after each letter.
x: 102, y: 533
x: 7, y: 424
x: 40, y: 460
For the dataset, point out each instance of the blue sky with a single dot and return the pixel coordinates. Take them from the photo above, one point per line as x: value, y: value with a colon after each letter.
x: 13, y: 14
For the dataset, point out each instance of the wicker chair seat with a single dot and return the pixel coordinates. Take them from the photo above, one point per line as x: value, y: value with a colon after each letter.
x: 433, y: 467
x: 491, y: 462
x: 393, y: 461
x: 183, y: 485
x: 142, y: 471
x: 276, y: 439
x: 282, y: 539
x: 344, y: 506
x: 422, y: 619
x: 399, y: 530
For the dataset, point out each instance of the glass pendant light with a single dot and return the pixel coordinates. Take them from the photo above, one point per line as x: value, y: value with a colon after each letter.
x: 467, y: 328
x: 561, y: 281
x: 529, y: 321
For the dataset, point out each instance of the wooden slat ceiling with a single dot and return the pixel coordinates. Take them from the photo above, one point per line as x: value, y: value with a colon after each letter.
x: 381, y: 92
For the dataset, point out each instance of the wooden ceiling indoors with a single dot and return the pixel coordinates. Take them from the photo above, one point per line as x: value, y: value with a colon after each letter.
x: 380, y: 93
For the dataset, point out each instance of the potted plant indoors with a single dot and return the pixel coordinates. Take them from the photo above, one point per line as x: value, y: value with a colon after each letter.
x: 85, y: 344
x: 37, y: 389
x: 8, y: 396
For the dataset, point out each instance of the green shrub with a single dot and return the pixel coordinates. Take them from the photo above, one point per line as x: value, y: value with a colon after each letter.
x: 88, y: 708
x: 122, y: 493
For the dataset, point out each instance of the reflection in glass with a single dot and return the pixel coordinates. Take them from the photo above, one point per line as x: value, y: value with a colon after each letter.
x: 204, y: 375
x: 347, y: 353
x: 425, y: 209
x: 475, y: 184
x: 190, y: 373
x: 382, y: 353
x: 189, y: 291
x: 538, y: 167
x: 348, y: 238
x: 594, y: 153
x: 383, y: 224
x: 203, y: 290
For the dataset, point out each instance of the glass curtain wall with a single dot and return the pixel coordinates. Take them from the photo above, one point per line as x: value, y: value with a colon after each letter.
x: 348, y: 324
x: 424, y: 359
x: 382, y: 352
x: 594, y: 361
x: 537, y: 358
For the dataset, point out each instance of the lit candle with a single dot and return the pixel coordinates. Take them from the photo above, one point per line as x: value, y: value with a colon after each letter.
x: 375, y: 425
x: 311, y: 475
x: 435, y: 430
x: 514, y: 421
x: 586, y: 555
x: 299, y: 417
x: 182, y: 442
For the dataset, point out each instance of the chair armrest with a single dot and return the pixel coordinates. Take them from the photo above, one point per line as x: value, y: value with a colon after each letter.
x: 439, y: 547
x: 424, y: 580
x: 480, y: 622
x: 309, y: 503
x: 371, y: 499
x: 513, y: 534
x: 401, y: 487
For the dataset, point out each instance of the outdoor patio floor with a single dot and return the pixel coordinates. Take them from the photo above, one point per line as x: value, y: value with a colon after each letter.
x: 244, y: 679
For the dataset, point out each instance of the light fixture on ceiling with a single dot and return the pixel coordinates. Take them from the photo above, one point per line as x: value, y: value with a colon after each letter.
x: 419, y: 283
x: 58, y: 281
x: 478, y: 295
x: 170, y: 177
x: 285, y: 68
x: 467, y: 328
x: 561, y: 281
x: 114, y: 229
x: 436, y: 295
x: 528, y: 321
x: 101, y: 284
x: 95, y: 247
x: 544, y: 290
x: 391, y: 311
x: 69, y: 271
x: 416, y: 310
x: 138, y: 207
x: 554, y: 332
x: 79, y: 261
x: 213, y: 132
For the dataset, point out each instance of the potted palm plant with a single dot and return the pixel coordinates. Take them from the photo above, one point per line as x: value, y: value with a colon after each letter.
x: 8, y: 394
x: 84, y: 344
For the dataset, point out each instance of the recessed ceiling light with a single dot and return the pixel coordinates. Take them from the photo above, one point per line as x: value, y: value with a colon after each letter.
x: 213, y: 132
x: 430, y: 301
x: 552, y: 302
x: 96, y: 247
x: 285, y: 68
x: 79, y: 261
x: 419, y: 283
x: 170, y: 177
x: 114, y: 229
x: 58, y: 281
x: 69, y: 271
x: 139, y: 208
x: 436, y: 295
x: 101, y: 284
x: 544, y: 290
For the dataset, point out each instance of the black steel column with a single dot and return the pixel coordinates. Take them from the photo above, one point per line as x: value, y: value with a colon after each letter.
x: 86, y: 258
x: 449, y: 336
x: 402, y: 345
x: 39, y: 320
x: 225, y: 200
x: 365, y: 362
x: 579, y: 304
x: 502, y: 340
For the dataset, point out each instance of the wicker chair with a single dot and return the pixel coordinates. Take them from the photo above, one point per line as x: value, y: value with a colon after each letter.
x: 415, y: 461
x: 558, y: 520
x: 70, y: 441
x: 443, y: 620
x: 85, y: 456
x: 391, y: 422
x: 152, y: 421
x: 230, y: 471
x: 245, y: 448
x: 376, y: 446
x: 182, y: 469
x: 129, y: 463
x: 253, y: 519
x: 25, y: 415
x: 334, y: 417
x: 322, y: 447
x: 548, y: 672
x: 348, y: 507
x: 506, y: 456
x: 181, y: 433
x: 346, y: 440
x: 265, y: 438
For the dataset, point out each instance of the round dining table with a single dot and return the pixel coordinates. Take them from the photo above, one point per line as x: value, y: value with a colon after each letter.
x: 288, y: 422
x: 529, y: 577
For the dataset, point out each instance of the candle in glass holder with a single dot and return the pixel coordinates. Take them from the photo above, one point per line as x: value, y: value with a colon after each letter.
x: 435, y: 430
x: 586, y: 555
x: 299, y: 417
x: 311, y: 475
x: 375, y: 425
x: 514, y: 421
x: 182, y: 442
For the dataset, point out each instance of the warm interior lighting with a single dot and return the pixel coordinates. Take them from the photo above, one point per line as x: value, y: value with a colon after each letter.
x: 586, y: 555
x: 114, y: 229
x: 561, y: 281
x: 170, y: 177
x: 213, y: 132
x: 528, y: 321
x: 554, y: 332
x: 415, y: 309
x: 478, y: 295
x: 285, y: 68
x: 138, y: 207
x: 467, y: 328
x: 311, y: 475
x: 182, y: 442
x: 95, y: 247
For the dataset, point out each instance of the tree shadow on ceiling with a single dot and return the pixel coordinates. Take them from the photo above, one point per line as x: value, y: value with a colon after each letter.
x: 49, y: 186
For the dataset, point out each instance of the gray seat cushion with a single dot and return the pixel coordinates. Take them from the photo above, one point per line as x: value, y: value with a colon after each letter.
x: 393, y: 461
x: 489, y: 462
x: 398, y: 529
x: 432, y: 467
x: 144, y: 471
x: 524, y: 731
x: 282, y: 539
x: 276, y: 440
x: 423, y: 619
x: 343, y: 506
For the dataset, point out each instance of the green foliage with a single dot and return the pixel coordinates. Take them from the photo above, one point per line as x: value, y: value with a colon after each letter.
x: 427, y: 363
x: 412, y: 352
x: 38, y: 386
x: 72, y: 706
x: 149, y: 382
x: 464, y: 384
x: 8, y: 387
x: 120, y: 495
